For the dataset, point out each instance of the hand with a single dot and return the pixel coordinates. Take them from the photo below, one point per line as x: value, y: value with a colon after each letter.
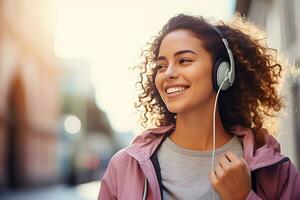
x: 231, y: 177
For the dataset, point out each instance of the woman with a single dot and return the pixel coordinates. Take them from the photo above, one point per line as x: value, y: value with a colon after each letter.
x: 199, y: 150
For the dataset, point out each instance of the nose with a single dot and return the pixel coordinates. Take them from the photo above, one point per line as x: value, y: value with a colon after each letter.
x: 171, y: 72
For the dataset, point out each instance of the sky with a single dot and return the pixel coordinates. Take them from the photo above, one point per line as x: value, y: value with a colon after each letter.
x: 111, y: 34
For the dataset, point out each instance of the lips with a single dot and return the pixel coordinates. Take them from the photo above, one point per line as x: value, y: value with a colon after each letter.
x: 175, y: 85
x: 174, y: 90
x: 176, y: 94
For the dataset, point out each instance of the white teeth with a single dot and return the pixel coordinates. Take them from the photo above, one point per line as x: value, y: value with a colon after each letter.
x: 175, y: 89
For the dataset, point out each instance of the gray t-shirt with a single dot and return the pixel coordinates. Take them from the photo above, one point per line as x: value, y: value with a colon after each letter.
x: 185, y: 172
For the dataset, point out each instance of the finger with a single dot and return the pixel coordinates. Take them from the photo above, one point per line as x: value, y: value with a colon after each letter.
x: 219, y: 171
x: 213, y: 178
x: 224, y: 162
x: 232, y: 157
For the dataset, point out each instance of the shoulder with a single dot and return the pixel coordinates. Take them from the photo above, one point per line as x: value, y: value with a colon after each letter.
x: 140, y: 148
x: 152, y: 134
x: 120, y: 158
x: 115, y: 174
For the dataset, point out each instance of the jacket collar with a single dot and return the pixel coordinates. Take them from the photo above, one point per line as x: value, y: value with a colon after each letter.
x: 264, y: 156
x: 144, y: 145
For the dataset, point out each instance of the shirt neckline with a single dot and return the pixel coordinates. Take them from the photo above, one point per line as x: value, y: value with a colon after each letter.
x: 173, y: 146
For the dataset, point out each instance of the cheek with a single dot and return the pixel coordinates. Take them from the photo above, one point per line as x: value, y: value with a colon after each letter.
x: 203, y: 78
x: 157, y: 82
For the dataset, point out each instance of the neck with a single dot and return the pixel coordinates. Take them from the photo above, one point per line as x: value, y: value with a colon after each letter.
x: 194, y: 129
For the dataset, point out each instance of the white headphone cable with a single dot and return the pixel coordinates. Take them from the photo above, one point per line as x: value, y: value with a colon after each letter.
x: 214, y: 133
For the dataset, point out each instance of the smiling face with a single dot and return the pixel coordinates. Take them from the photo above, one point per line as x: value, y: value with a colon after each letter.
x: 184, y: 77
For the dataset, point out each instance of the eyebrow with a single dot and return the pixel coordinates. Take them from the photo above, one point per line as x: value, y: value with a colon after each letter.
x: 176, y: 54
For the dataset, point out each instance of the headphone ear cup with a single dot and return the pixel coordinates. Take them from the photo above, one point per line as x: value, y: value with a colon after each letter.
x: 220, y: 71
x: 214, y: 75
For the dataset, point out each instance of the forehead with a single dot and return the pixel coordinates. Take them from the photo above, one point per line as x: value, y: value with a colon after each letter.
x: 178, y: 40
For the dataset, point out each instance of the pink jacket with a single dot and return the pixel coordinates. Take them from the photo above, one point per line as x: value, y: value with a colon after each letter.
x: 276, y: 177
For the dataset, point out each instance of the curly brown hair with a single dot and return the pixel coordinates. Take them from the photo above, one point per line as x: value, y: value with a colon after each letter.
x: 253, y: 96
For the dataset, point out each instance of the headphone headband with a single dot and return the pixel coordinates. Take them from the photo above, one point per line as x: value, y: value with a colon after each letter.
x: 231, y: 73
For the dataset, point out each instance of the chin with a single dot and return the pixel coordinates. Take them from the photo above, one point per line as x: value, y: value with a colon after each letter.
x: 176, y: 108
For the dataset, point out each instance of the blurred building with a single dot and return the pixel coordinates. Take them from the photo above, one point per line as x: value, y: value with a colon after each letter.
x: 38, y: 93
x: 29, y: 98
x: 279, y: 19
x: 85, y: 153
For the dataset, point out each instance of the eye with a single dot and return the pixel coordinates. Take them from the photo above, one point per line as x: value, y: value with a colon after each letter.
x: 184, y: 60
x: 159, y: 66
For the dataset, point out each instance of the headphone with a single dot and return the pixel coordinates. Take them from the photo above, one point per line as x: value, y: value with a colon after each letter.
x: 222, y: 70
